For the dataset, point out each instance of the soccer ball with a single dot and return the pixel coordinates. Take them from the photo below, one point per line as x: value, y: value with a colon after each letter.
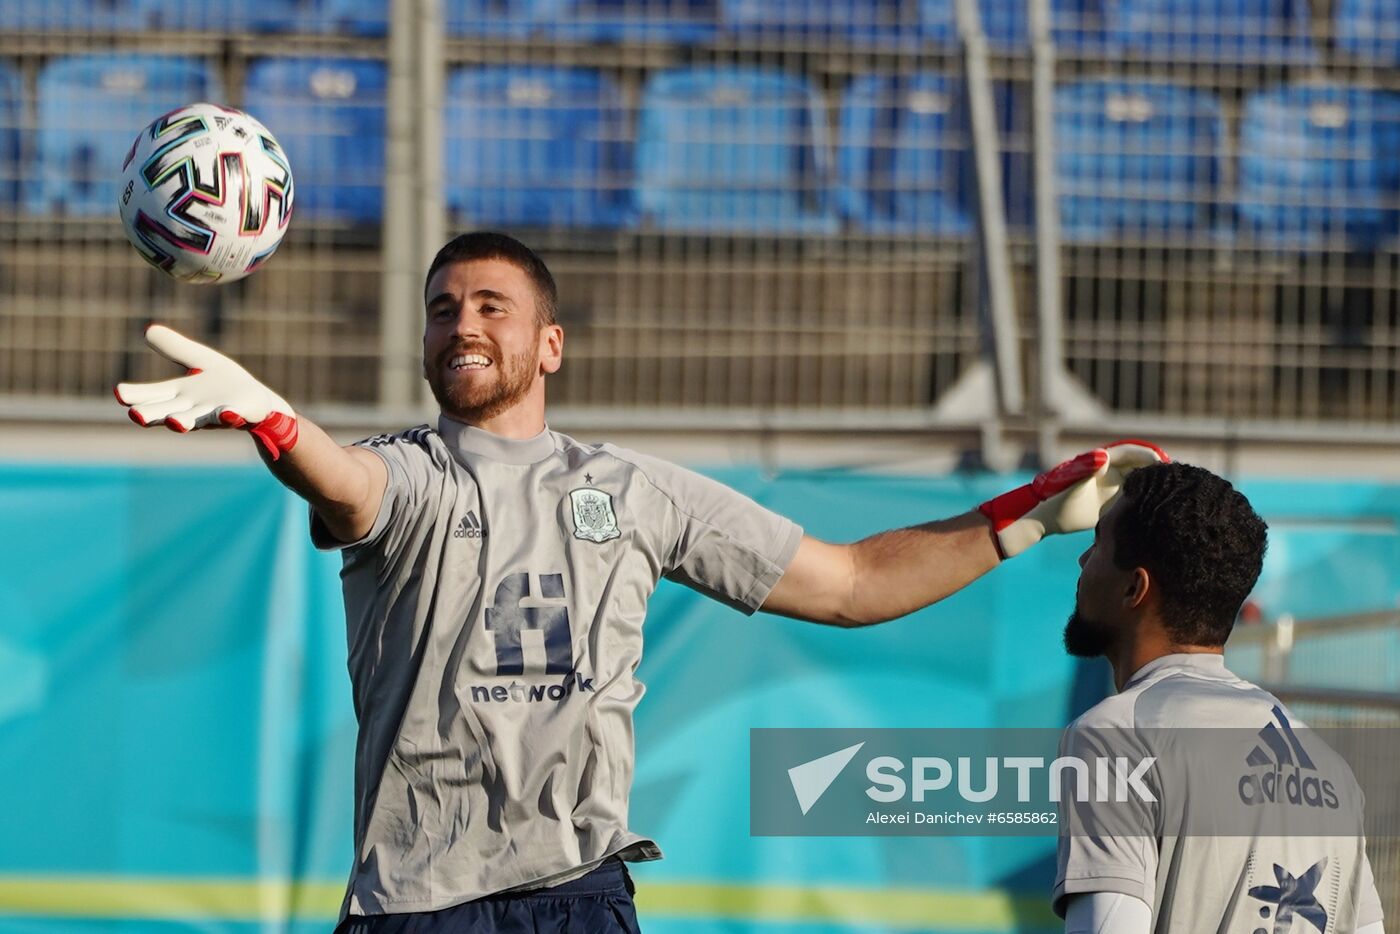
x: 206, y: 194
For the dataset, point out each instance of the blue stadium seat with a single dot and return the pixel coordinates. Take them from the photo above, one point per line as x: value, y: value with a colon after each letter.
x: 1225, y: 31
x: 537, y: 147
x: 352, y: 17
x: 1137, y: 158
x: 485, y: 18
x: 1369, y: 29
x: 938, y: 20
x: 328, y: 114
x: 739, y: 150
x: 76, y: 15
x: 1318, y: 165
x: 904, y: 160
x: 678, y: 21
x: 90, y: 108
x: 820, y: 22
x: 908, y: 23
x: 11, y: 138
x: 361, y: 17
x: 177, y: 15
x: 1073, y: 23
x: 235, y: 15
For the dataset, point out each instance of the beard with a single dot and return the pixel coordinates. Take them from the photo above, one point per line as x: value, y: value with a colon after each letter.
x: 1087, y: 638
x: 475, y: 400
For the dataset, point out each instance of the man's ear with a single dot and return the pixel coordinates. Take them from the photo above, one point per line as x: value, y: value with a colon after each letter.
x: 1138, y: 587
x: 551, y: 348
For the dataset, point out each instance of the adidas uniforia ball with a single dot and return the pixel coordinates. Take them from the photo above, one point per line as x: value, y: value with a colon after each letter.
x: 206, y: 194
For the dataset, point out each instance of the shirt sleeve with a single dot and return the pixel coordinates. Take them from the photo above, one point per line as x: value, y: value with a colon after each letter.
x: 1102, y: 848
x: 1107, y: 913
x: 1368, y: 904
x: 410, y: 479
x: 722, y: 543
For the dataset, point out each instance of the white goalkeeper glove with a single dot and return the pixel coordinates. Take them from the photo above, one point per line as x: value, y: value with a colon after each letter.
x: 1067, y: 498
x: 214, y: 393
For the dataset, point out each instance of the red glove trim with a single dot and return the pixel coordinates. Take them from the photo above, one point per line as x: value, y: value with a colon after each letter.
x: 1063, y: 476
x: 1166, y: 458
x: 1013, y: 504
x: 277, y: 433
x: 1010, y: 506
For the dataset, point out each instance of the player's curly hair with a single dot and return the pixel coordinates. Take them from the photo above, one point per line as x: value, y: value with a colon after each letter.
x: 485, y: 244
x: 1201, y: 541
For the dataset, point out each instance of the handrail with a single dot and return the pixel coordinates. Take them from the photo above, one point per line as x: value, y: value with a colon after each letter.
x: 1342, y: 697
x: 1317, y: 625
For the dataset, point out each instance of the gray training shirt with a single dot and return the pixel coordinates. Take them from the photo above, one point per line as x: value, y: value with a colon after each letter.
x: 1204, y: 869
x: 494, y: 617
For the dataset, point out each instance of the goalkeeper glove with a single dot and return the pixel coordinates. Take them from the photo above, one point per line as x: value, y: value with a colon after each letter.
x: 1067, y: 498
x: 215, y: 392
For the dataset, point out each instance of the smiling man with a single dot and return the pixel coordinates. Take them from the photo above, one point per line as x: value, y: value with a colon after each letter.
x: 483, y: 376
x: 496, y: 577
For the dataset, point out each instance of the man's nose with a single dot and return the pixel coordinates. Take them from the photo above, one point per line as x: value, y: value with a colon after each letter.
x: 467, y: 323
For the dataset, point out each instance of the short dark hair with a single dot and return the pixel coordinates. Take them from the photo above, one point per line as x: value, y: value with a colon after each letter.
x: 1201, y: 541
x: 485, y: 244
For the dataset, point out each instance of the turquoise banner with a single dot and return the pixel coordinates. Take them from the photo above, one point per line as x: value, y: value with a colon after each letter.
x: 175, y: 709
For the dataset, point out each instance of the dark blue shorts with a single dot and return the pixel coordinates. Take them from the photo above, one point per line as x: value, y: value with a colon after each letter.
x: 598, y: 903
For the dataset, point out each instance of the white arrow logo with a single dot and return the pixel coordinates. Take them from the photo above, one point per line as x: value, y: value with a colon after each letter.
x: 810, y: 780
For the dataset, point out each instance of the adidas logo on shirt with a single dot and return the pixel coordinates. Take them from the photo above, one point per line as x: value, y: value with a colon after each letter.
x: 469, y: 527
x: 1284, y: 763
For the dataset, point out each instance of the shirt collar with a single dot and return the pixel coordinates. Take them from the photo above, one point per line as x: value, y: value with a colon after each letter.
x: 476, y: 442
x: 1209, y: 663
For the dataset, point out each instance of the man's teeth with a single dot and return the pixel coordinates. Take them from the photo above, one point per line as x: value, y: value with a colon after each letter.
x: 474, y: 361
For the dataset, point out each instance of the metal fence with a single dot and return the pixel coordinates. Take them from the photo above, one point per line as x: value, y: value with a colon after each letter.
x: 1081, y: 214
x: 1357, y: 652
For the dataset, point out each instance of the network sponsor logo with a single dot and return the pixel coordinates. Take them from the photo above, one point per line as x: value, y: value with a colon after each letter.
x: 1281, y: 770
x: 517, y: 693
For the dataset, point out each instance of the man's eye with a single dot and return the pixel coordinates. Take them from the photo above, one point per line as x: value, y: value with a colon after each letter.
x: 489, y: 309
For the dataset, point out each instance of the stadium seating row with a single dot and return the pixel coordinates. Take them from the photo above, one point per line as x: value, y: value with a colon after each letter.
x: 1217, y: 30
x: 1315, y: 164
x: 744, y: 150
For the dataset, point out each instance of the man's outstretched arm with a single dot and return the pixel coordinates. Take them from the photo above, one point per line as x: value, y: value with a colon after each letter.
x: 884, y: 576
x: 894, y: 573
x: 345, y: 485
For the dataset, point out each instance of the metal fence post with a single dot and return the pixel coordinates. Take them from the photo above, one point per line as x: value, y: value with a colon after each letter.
x: 413, y: 211
x: 429, y: 211
x: 398, y: 248
x: 1049, y: 310
x: 996, y: 261
x: 1279, y: 650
